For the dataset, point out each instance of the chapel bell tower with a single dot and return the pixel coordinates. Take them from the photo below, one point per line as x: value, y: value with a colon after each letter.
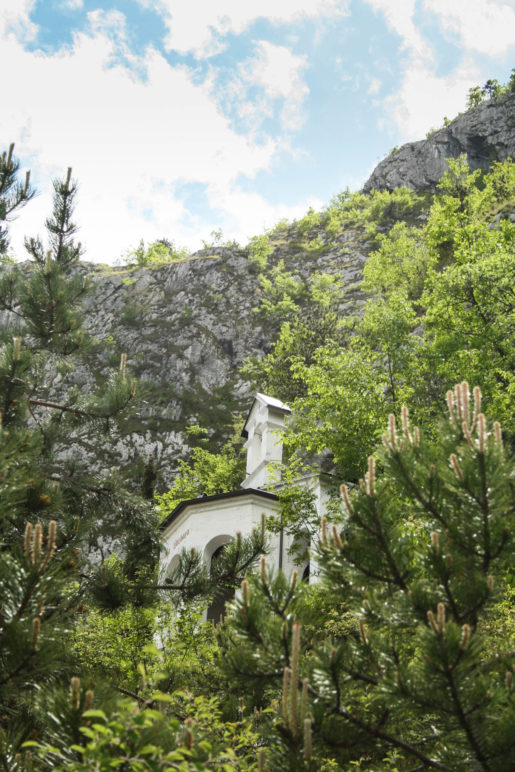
x: 263, y: 429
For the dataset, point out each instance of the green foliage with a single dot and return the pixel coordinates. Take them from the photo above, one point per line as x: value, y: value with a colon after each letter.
x: 305, y: 316
x: 260, y: 250
x: 188, y: 651
x: 384, y: 208
x: 401, y: 655
x: 13, y: 194
x: 160, y: 252
x: 441, y: 308
x: 315, y: 246
x: 54, y: 512
x: 469, y: 309
x: 216, y: 239
x: 149, y: 480
x: 491, y: 90
x: 152, y: 738
x: 386, y: 337
x: 280, y: 227
x: 342, y: 409
x: 280, y: 372
x: 311, y: 221
x: 298, y: 516
x: 42, y: 330
x: 112, y: 644
x: 470, y: 321
x: 401, y: 262
x: 282, y: 292
x: 33, y: 625
x: 413, y: 675
x: 475, y: 97
x: 207, y: 473
x: 373, y: 212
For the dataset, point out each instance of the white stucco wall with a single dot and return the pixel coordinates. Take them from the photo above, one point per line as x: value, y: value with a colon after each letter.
x: 264, y: 427
x: 205, y: 525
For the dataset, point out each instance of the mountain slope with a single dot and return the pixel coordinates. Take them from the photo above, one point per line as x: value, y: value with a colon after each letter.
x: 188, y: 326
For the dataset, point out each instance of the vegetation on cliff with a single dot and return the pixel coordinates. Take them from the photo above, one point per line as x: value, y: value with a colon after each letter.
x: 401, y: 657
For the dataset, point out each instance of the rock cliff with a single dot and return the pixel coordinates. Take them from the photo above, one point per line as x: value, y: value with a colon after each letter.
x: 188, y: 326
x: 485, y: 134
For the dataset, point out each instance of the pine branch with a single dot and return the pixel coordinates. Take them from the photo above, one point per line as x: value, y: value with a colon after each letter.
x: 67, y: 409
x: 89, y: 488
x: 462, y: 718
x: 391, y: 740
x: 17, y: 670
x: 75, y: 410
x: 137, y: 697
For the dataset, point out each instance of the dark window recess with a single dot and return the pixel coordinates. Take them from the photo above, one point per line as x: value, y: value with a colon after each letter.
x: 216, y: 610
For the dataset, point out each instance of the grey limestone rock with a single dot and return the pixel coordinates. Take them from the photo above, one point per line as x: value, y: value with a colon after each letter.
x: 186, y: 328
x: 485, y: 134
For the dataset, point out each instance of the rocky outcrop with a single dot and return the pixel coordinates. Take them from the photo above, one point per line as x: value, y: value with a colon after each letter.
x: 485, y: 134
x: 186, y: 328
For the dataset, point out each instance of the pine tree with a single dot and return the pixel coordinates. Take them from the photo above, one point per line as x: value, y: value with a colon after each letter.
x: 13, y: 194
x: 43, y: 343
x: 53, y: 509
x: 398, y: 658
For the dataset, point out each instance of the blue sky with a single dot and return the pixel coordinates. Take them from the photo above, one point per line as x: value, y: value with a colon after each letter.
x: 180, y: 117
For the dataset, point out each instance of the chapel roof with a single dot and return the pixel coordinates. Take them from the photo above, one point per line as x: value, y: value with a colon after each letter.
x: 241, y: 492
x: 271, y: 402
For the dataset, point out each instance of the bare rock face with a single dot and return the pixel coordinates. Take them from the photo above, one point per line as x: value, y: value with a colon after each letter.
x: 187, y: 328
x: 485, y: 134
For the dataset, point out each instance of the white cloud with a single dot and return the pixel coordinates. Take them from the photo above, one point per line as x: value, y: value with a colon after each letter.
x: 375, y: 86
x: 199, y: 26
x: 399, y: 17
x: 130, y: 142
x: 14, y: 17
x: 277, y: 71
x: 247, y: 214
x: 482, y: 25
x: 425, y: 98
x: 112, y: 23
x: 72, y: 5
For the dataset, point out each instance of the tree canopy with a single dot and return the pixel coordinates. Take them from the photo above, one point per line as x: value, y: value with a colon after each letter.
x: 400, y: 655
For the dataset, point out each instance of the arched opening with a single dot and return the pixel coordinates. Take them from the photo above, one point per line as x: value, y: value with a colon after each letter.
x: 212, y: 554
x: 213, y: 544
x: 172, y: 567
x: 305, y: 573
x: 301, y: 548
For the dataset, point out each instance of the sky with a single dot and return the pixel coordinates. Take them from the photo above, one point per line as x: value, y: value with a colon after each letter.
x: 184, y: 117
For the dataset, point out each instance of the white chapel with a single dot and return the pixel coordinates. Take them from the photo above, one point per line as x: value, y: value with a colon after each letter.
x: 208, y: 523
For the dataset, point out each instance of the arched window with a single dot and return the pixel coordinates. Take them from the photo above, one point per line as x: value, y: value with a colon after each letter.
x: 212, y: 554
x: 172, y: 567
x: 305, y: 574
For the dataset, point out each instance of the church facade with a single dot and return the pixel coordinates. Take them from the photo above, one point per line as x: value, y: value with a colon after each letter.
x: 208, y: 523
